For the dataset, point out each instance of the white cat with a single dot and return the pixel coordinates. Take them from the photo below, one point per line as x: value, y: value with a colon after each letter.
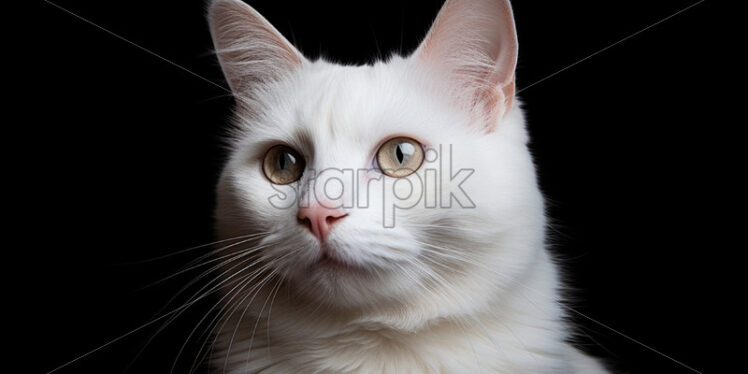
x: 384, y: 218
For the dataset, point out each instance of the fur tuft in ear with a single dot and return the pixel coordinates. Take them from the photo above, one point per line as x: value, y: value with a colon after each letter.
x: 250, y: 50
x: 474, y: 43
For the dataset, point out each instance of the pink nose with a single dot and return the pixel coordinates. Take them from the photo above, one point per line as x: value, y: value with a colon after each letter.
x: 319, y: 220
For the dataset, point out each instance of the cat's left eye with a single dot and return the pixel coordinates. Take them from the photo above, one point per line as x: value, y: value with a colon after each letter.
x: 283, y: 165
x: 400, y: 157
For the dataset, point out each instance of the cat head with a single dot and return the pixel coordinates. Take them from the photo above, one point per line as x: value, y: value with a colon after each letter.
x: 368, y: 184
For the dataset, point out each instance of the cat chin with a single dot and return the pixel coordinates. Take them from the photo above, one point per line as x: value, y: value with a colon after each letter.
x: 329, y: 262
x: 343, y: 285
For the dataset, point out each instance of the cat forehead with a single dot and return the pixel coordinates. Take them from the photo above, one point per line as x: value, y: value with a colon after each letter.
x: 328, y: 103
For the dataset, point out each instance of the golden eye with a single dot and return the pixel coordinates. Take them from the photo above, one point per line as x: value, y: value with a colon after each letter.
x: 283, y: 165
x: 400, y: 157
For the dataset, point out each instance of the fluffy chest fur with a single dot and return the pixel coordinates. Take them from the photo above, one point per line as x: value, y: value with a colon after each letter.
x: 523, y: 333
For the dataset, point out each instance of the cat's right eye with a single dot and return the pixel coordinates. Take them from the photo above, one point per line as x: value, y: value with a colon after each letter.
x: 283, y: 165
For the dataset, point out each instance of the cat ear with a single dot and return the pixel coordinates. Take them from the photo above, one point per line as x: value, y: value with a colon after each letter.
x: 250, y: 50
x: 474, y: 43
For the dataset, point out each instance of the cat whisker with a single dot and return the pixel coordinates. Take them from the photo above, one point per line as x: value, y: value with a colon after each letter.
x: 240, y: 254
x: 517, y: 282
x: 461, y: 320
x: 201, y: 292
x: 210, y: 332
x: 194, y: 265
x: 217, y: 250
x: 233, y: 293
x: 227, y: 259
x: 190, y: 249
x: 233, y: 335
x: 270, y: 310
x: 442, y: 227
x: 197, y: 296
x: 449, y: 253
x: 458, y: 319
x: 220, y: 301
x: 224, y: 311
x: 257, y: 322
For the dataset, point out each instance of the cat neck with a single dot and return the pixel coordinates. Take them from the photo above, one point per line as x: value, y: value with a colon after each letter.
x: 413, y: 334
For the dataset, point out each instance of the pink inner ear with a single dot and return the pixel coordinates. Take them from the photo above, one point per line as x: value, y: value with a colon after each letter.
x: 249, y: 48
x: 474, y: 42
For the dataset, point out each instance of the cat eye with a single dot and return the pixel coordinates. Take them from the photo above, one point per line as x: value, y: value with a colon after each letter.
x: 400, y: 157
x: 283, y: 165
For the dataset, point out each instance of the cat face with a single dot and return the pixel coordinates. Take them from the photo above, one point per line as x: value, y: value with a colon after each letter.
x: 365, y: 184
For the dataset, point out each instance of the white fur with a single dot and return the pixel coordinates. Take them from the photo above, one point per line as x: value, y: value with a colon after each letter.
x: 447, y: 290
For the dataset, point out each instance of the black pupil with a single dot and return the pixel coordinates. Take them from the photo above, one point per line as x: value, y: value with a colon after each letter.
x: 285, y: 160
x: 399, y: 154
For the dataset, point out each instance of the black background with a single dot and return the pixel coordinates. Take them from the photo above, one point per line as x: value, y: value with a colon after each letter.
x: 123, y: 150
